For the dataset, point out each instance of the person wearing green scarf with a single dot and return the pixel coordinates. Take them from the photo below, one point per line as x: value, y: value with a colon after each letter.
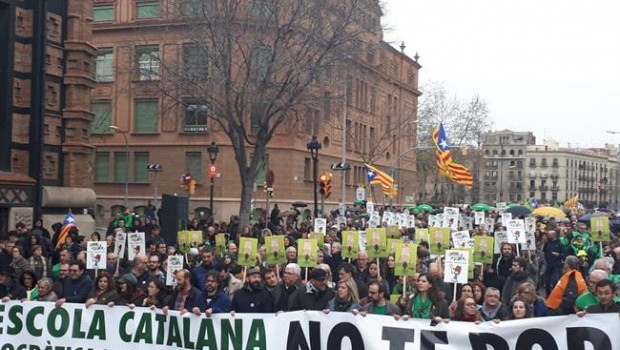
x: 427, y: 303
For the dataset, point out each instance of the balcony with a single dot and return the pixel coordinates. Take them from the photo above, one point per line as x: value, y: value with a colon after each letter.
x: 543, y: 165
x: 532, y: 165
x: 543, y: 188
x: 555, y: 176
x: 544, y: 176
x: 531, y: 188
x: 532, y: 176
x: 555, y: 188
x: 555, y: 165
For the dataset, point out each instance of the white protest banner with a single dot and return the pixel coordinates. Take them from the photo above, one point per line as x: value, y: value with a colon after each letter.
x: 135, y: 244
x: 431, y: 220
x: 175, y: 263
x: 516, y: 231
x: 460, y: 239
x: 500, y: 237
x: 39, y: 325
x: 505, y: 218
x: 489, y: 224
x: 370, y: 207
x: 401, y: 220
x: 320, y: 225
x: 120, y: 242
x: 96, y: 255
x: 456, y: 266
x: 387, y: 216
x: 530, y: 241
x: 393, y: 220
x: 479, y: 218
x: 530, y: 224
x: 411, y: 221
x: 439, y: 220
x: 375, y: 219
x: 451, y: 218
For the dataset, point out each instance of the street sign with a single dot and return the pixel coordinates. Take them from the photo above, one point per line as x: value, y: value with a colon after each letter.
x: 154, y: 167
x: 212, y: 170
x: 340, y: 166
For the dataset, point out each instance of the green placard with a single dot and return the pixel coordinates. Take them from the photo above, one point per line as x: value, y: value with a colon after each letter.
x: 306, y: 252
x: 376, y: 243
x: 247, y: 251
x: 405, y: 259
x: 483, y: 249
x: 439, y: 240
x: 393, y: 232
x: 189, y: 239
x: 391, y: 245
x: 220, y: 243
x: 599, y: 227
x: 275, y: 250
x: 350, y: 244
x: 320, y: 238
x: 421, y: 234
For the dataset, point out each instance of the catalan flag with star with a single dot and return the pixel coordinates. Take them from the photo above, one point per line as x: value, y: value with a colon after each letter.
x: 454, y: 171
x: 378, y: 177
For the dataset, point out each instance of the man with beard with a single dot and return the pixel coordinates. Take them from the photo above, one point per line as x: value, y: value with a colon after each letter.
x: 285, y: 292
x: 502, y: 263
x: 253, y: 297
x: 214, y: 299
x: 154, y: 268
x: 518, y: 276
x: 199, y: 273
x: 378, y: 305
x: 317, y: 294
x: 185, y: 296
x: 228, y: 282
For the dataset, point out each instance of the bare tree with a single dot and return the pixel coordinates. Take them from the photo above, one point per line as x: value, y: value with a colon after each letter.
x: 464, y: 122
x: 253, y: 66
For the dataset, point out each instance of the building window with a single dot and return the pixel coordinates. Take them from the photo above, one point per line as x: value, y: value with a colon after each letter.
x: 103, y: 117
x: 120, y: 167
x: 146, y: 114
x: 147, y: 9
x: 147, y: 62
x: 195, y: 62
x: 192, y: 7
x: 195, y: 117
x: 260, y: 62
x: 103, y: 13
x: 140, y: 161
x: 193, y: 164
x: 102, y: 166
x: 261, y: 8
x: 103, y: 65
x: 307, y: 169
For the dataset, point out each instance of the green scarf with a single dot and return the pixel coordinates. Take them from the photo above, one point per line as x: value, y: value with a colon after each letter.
x: 342, y: 306
x: 421, y: 308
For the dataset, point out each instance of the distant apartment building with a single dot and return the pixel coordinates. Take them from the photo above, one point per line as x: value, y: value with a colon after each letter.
x: 515, y: 169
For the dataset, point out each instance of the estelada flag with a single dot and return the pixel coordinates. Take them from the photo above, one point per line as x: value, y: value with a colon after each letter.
x: 67, y: 224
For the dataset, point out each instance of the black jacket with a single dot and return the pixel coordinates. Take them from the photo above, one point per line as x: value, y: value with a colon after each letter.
x: 252, y: 300
x: 193, y: 299
x: 313, y: 300
x: 12, y: 290
x: 284, y: 298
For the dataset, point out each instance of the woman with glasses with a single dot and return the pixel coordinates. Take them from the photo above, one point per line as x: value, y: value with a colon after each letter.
x: 467, y: 310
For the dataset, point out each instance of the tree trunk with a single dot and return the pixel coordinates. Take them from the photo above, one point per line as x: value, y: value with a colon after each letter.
x: 246, y: 198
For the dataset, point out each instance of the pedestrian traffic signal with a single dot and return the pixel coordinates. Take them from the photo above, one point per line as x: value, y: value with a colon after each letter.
x: 325, y: 184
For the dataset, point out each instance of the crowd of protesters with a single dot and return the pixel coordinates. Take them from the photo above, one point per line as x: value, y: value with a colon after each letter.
x: 557, y: 278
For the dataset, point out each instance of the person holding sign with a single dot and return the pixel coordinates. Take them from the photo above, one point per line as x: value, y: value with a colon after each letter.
x: 427, y: 302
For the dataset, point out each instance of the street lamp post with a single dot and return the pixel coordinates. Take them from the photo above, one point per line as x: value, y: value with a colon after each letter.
x: 314, y: 146
x: 213, y: 150
x: 117, y: 129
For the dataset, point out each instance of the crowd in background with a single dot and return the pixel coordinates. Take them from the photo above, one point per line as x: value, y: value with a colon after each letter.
x: 567, y: 273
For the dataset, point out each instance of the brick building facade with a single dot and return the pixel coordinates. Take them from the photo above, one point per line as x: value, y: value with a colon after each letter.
x: 45, y: 82
x: 374, y: 95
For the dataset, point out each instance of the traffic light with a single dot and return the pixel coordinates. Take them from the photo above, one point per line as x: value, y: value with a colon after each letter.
x: 325, y: 187
x: 192, y: 187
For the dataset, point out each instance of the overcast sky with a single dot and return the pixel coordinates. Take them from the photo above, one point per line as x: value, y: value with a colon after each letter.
x: 547, y: 66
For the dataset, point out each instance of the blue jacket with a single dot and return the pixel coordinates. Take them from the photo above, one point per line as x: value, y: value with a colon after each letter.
x: 76, y: 291
x: 220, y: 303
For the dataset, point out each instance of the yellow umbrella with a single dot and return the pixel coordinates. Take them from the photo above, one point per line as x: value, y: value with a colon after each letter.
x: 549, y: 211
